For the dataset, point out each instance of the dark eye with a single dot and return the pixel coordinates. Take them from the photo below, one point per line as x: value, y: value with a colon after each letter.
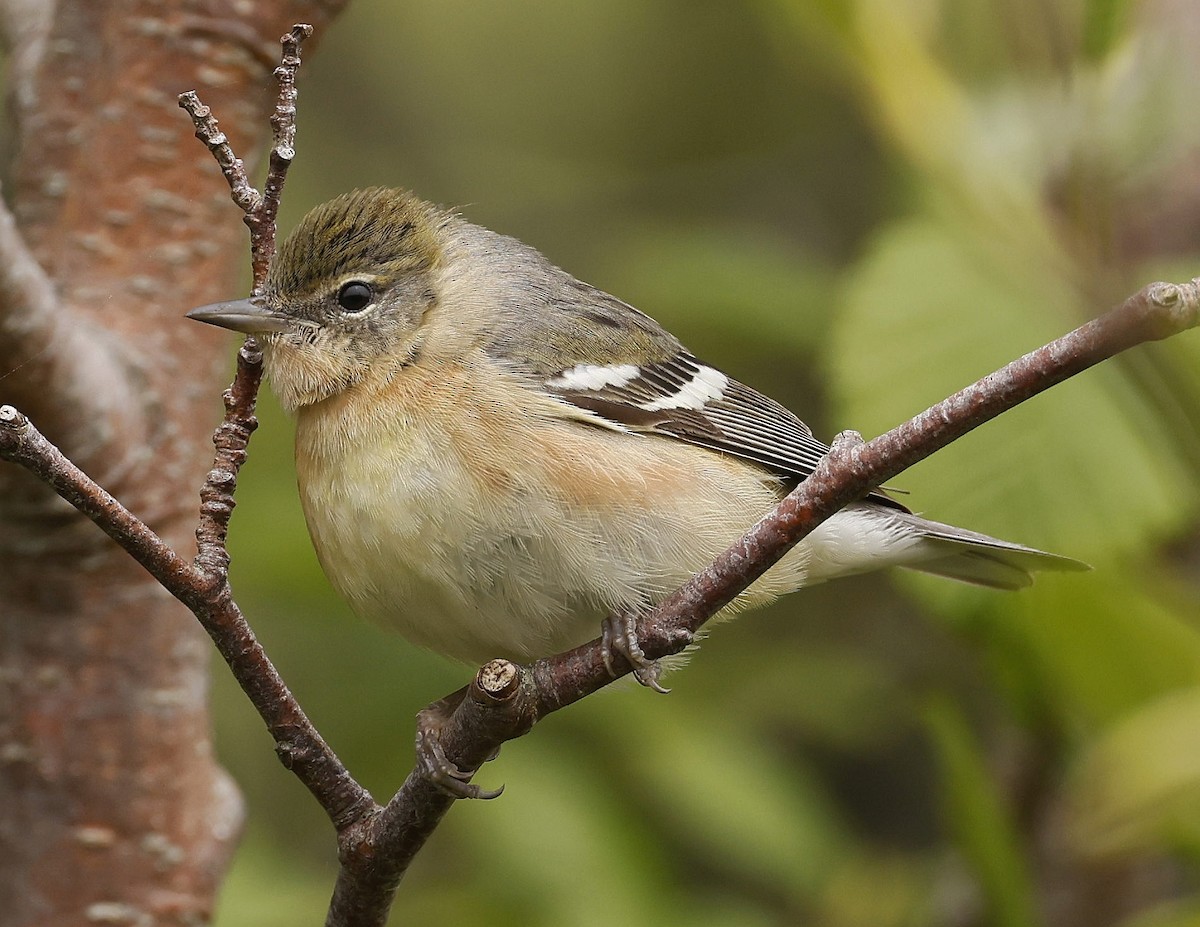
x: 354, y: 296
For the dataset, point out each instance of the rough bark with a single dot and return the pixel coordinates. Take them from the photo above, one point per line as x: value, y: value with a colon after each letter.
x: 112, y: 808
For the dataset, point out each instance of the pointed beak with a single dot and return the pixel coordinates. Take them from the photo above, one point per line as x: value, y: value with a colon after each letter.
x: 249, y: 316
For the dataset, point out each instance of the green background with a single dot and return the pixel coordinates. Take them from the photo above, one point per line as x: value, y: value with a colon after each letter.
x: 857, y: 206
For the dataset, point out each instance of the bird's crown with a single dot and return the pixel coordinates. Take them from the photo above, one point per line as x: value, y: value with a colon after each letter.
x: 381, y: 231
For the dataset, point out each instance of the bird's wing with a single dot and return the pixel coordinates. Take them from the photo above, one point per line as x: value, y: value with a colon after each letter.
x: 648, y: 382
x: 684, y: 398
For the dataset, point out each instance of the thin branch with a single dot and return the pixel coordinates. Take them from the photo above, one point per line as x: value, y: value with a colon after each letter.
x: 505, y: 700
x: 489, y: 716
x: 209, y: 132
x: 260, y: 211
x: 231, y: 439
x: 21, y: 443
x: 851, y: 469
x: 28, y: 299
x: 206, y: 590
x: 46, y: 350
x: 283, y: 150
x: 298, y: 743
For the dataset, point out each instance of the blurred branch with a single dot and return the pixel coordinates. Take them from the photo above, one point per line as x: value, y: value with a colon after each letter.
x: 24, y: 26
x: 28, y: 301
x: 50, y: 360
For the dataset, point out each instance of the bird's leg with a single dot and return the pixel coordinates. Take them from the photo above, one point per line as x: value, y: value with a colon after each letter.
x: 619, y: 634
x: 448, y: 777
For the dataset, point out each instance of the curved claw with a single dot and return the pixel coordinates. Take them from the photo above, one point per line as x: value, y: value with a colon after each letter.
x: 649, y: 674
x: 448, y: 777
x: 618, y: 633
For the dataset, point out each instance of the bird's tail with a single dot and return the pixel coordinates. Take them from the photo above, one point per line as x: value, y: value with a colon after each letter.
x: 976, y: 558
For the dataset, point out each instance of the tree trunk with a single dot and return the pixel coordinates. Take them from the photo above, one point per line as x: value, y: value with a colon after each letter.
x: 112, y: 807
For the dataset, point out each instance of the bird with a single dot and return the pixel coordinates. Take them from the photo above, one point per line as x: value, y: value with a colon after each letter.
x: 494, y: 458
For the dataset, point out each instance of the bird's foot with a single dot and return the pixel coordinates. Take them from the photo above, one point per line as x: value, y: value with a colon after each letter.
x: 619, y: 635
x: 432, y: 759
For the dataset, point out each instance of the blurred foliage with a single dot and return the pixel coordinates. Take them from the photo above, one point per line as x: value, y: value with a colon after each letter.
x: 857, y: 206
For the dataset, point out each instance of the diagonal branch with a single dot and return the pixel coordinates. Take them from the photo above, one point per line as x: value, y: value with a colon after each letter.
x: 505, y: 701
x: 298, y: 743
x: 48, y: 351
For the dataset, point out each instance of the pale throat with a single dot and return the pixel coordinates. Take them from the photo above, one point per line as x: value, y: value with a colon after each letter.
x: 301, y: 375
x: 304, y: 374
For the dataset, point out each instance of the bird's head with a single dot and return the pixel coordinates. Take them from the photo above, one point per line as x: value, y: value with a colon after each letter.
x: 348, y: 289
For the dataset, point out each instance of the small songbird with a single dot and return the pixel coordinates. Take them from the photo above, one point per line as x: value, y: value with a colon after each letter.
x: 493, y: 456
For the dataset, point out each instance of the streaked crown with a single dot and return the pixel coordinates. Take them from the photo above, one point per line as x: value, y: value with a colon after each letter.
x: 388, y: 233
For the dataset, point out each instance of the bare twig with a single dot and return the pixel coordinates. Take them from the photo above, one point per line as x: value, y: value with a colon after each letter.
x: 231, y: 440
x: 489, y: 716
x: 21, y: 443
x: 209, y: 132
x: 260, y: 211
x: 205, y: 588
x: 298, y: 743
x: 28, y: 299
x: 283, y: 150
x: 376, y: 844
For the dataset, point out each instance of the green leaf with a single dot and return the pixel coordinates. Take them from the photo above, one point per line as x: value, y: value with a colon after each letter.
x: 1102, y: 22
x: 728, y: 282
x: 980, y: 821
x: 1138, y: 787
x: 1085, y: 469
x: 717, y: 786
x: 1104, y: 643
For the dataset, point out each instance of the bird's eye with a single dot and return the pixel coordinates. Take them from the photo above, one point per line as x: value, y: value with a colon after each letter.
x: 354, y: 296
